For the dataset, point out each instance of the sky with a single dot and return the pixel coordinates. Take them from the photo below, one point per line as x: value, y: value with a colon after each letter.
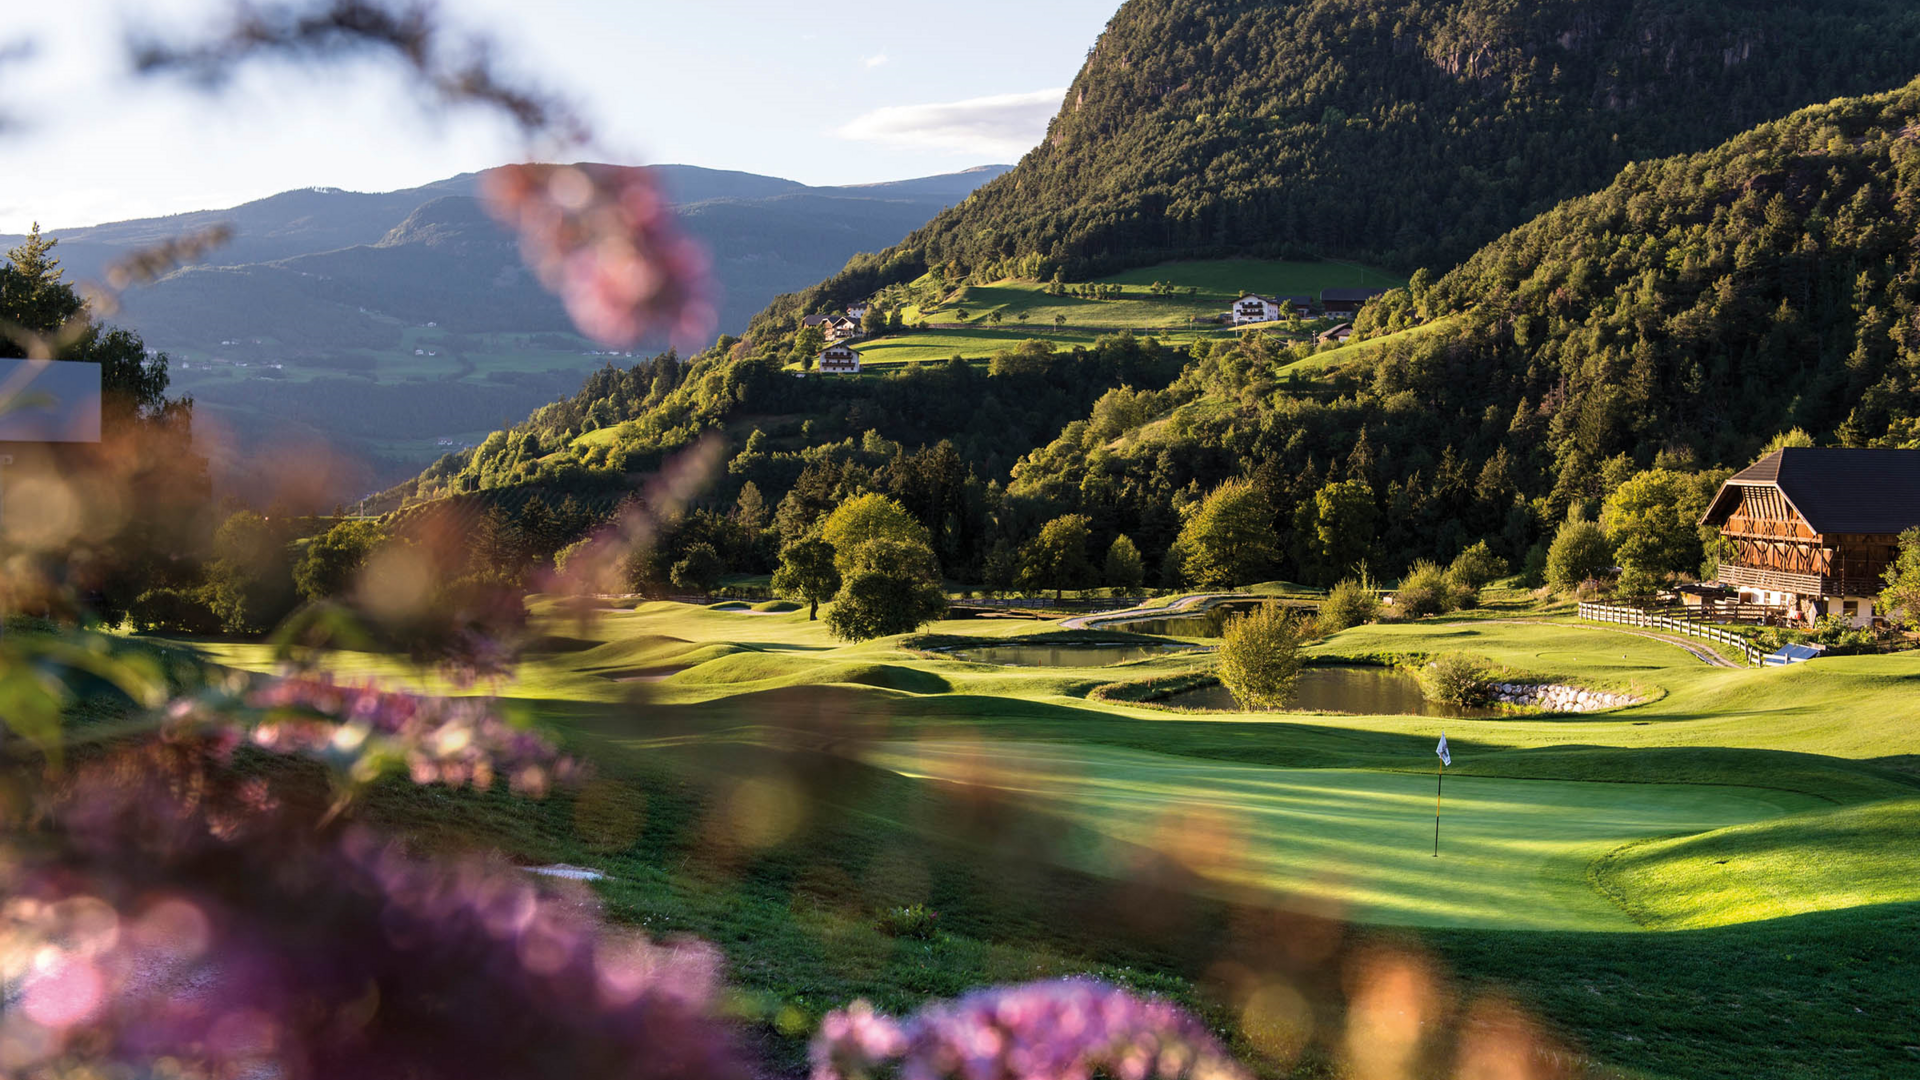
x: 819, y: 91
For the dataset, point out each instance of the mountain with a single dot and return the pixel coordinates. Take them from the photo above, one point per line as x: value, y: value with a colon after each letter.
x: 1683, y: 316
x: 303, y: 264
x: 331, y: 315
x: 1407, y: 131
x: 1402, y: 133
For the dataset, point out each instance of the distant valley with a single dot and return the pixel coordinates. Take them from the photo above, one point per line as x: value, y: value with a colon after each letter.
x: 379, y: 330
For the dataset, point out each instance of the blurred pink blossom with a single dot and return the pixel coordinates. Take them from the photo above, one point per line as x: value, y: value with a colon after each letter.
x: 1068, y: 1029
x: 603, y: 239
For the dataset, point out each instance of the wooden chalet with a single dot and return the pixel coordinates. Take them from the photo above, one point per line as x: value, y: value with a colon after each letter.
x: 841, y: 328
x: 1337, y: 335
x: 816, y: 320
x: 1814, y: 530
x: 839, y: 360
x: 1346, y: 301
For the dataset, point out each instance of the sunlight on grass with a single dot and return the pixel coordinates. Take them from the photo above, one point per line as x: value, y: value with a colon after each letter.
x: 1514, y: 853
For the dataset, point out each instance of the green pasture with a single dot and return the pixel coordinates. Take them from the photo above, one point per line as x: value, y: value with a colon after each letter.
x: 1028, y: 312
x: 1689, y: 888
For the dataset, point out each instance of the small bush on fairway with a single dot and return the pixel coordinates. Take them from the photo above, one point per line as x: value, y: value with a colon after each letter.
x: 1351, y: 603
x: 1259, y: 656
x: 1458, y: 679
x: 911, y: 921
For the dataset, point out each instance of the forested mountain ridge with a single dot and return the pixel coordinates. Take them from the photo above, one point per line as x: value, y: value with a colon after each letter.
x: 1685, y: 315
x: 1405, y: 133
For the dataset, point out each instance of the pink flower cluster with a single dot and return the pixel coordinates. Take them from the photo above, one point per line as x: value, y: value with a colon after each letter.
x: 603, y: 239
x: 361, y: 729
x: 167, y: 925
x: 1062, y: 1030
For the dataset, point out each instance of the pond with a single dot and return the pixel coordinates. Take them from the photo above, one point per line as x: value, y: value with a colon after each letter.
x: 1211, y: 623
x: 1074, y: 656
x: 1367, y: 691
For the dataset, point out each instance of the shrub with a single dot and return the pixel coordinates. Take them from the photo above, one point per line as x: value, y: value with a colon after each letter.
x: 1580, y: 551
x: 1351, y: 603
x: 1423, y: 591
x: 177, y: 611
x: 1593, y: 588
x: 1458, y: 679
x: 1477, y: 567
x: 1462, y: 597
x: 1259, y: 656
x: 912, y: 921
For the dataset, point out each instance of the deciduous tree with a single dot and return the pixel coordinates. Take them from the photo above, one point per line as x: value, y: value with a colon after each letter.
x: 807, y: 574
x: 698, y: 570
x: 1580, y: 551
x: 1126, y: 571
x: 866, y: 518
x: 1057, y: 558
x: 891, y: 586
x: 1230, y: 539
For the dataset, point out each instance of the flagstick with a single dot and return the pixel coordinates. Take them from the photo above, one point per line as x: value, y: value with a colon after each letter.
x: 1440, y: 780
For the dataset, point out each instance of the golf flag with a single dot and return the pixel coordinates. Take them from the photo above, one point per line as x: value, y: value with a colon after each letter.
x: 1445, y: 758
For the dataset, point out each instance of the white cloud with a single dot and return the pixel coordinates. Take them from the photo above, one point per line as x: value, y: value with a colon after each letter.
x: 875, y: 60
x: 1004, y: 126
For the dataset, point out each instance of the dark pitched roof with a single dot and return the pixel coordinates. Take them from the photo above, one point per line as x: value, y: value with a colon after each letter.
x: 1348, y: 295
x: 1836, y: 490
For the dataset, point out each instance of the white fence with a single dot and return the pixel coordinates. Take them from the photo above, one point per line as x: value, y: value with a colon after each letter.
x: 1627, y: 616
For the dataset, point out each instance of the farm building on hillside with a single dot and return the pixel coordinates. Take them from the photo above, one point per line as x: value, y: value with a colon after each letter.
x: 1814, y: 530
x: 1338, y: 335
x: 816, y: 320
x: 1254, y: 308
x: 856, y: 311
x: 841, y: 328
x: 839, y: 360
x: 1346, y: 301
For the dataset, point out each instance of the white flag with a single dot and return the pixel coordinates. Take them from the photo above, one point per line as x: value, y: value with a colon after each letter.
x: 1445, y: 758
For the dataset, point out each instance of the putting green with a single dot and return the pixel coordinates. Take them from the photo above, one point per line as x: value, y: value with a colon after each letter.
x: 1513, y: 853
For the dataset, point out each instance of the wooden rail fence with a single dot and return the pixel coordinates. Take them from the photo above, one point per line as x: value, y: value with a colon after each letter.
x: 1627, y: 616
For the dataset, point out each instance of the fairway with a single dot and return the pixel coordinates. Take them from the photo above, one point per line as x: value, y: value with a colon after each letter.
x: 1514, y: 853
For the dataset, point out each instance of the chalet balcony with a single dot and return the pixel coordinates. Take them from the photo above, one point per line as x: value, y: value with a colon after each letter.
x: 1751, y: 577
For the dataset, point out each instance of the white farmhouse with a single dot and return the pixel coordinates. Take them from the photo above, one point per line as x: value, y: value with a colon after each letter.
x: 841, y: 328
x: 839, y: 360
x: 857, y: 311
x: 1255, y: 308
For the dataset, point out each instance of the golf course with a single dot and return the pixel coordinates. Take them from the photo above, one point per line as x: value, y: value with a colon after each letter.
x: 773, y: 790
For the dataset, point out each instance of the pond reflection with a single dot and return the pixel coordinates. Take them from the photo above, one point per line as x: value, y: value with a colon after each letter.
x: 1366, y: 691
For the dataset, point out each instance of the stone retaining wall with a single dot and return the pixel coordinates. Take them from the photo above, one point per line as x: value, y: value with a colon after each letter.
x: 1559, y: 699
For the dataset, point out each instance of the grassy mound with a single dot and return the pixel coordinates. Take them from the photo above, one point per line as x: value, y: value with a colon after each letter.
x: 1819, y: 861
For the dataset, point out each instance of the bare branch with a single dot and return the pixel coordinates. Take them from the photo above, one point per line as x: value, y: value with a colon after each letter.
x: 325, y: 31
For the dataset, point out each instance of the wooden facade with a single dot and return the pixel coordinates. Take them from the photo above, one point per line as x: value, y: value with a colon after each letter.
x: 1817, y: 528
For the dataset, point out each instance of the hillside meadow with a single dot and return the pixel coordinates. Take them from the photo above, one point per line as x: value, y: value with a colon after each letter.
x: 1028, y: 312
